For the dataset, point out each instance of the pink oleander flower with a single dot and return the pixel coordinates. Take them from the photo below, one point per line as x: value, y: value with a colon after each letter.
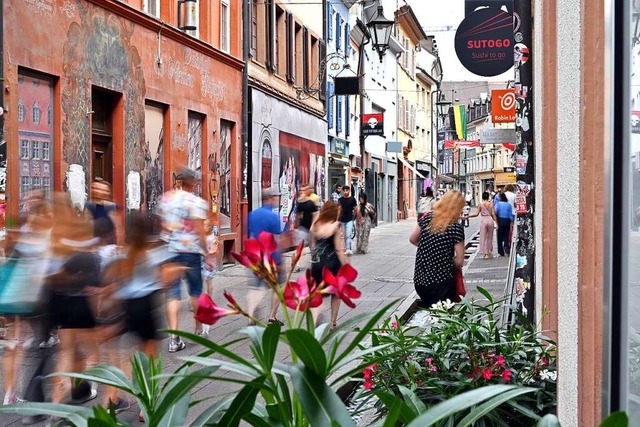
x: 487, y: 374
x: 340, y: 285
x: 232, y: 301
x: 368, y: 373
x: 209, y: 313
x: 506, y: 375
x: 500, y: 360
x: 302, y: 294
x: 258, y: 256
x: 430, y: 365
x: 419, y: 382
x: 368, y: 384
x: 297, y: 254
x: 394, y: 325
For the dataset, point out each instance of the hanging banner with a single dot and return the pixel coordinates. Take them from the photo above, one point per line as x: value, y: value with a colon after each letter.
x: 460, y: 117
x: 484, y: 42
x: 372, y: 124
x: 503, y: 106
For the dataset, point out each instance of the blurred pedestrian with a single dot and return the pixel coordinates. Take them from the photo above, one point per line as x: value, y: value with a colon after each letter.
x: 328, y: 251
x: 335, y: 196
x: 104, y: 212
x: 210, y: 267
x: 366, y: 217
x: 182, y: 215
x: 426, y: 202
x: 348, y: 208
x: 487, y: 225
x: 265, y: 219
x: 307, y: 212
x: 440, y: 241
x: 504, y: 215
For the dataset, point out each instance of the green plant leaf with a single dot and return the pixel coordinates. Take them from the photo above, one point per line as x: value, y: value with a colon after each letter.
x: 549, y: 420
x: 374, y: 319
x: 221, y: 349
x: 238, y: 368
x: 493, y: 403
x: 486, y: 294
x: 412, y: 400
x: 391, y: 419
x: 321, y: 405
x: 616, y: 419
x: 406, y: 414
x: 174, y: 402
x: 242, y: 404
x: 78, y: 415
x: 270, y: 341
x: 308, y: 350
x: 257, y: 421
x: 107, y: 375
x: 212, y: 415
x: 459, y: 403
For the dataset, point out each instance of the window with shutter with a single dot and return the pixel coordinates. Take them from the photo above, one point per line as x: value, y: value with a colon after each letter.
x: 329, y: 22
x: 407, y: 114
x: 305, y: 58
x: 347, y: 40
x: 289, y: 42
x: 323, y: 77
x: 339, y: 114
x: 347, y: 124
x: 338, y: 31
x: 330, y: 104
x: 401, y: 110
x: 268, y: 33
x: 254, y: 28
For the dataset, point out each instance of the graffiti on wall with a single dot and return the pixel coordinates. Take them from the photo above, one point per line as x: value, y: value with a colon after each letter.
x: 98, y: 51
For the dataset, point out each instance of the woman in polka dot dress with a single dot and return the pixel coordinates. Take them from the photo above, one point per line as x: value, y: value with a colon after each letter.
x: 440, y: 241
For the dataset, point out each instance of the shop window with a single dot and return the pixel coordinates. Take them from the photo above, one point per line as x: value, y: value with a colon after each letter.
x: 36, y: 139
x: 266, y: 164
x: 194, y: 144
x: 224, y: 170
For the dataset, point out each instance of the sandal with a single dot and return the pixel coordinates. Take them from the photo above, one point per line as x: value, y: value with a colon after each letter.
x: 334, y: 325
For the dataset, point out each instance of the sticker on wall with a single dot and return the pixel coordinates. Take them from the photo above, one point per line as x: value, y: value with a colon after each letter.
x: 520, y: 54
x: 76, y: 186
x: 133, y: 190
x: 521, y: 204
x: 521, y: 261
x: 521, y: 161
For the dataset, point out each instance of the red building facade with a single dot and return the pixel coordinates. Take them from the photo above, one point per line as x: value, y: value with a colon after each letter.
x: 101, y: 89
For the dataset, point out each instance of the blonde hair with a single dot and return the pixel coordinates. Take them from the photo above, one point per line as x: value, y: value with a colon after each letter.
x: 446, y: 211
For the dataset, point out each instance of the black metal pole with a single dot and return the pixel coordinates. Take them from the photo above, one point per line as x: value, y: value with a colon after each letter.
x: 524, y: 155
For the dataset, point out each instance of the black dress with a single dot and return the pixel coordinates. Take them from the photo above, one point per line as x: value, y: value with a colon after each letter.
x: 433, y: 275
x: 324, y: 255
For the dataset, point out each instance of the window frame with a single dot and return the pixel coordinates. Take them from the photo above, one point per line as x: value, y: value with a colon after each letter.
x: 145, y: 7
x: 225, y: 26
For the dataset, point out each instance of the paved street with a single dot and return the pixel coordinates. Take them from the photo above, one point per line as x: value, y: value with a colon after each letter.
x: 385, y: 273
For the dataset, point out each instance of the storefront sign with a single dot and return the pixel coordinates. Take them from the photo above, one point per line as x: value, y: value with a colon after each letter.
x: 373, y: 124
x: 508, y: 169
x: 340, y: 146
x: 484, y: 42
x: 498, y: 136
x: 503, y: 106
x: 394, y: 147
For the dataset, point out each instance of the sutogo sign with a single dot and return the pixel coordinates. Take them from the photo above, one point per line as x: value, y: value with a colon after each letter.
x: 484, y: 42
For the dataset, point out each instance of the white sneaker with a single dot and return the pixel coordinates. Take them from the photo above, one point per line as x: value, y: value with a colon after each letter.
x: 176, y: 345
x: 51, y: 342
x: 349, y: 252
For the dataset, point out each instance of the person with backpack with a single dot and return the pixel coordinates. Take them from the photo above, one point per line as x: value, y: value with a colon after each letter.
x: 426, y: 202
x: 366, y: 217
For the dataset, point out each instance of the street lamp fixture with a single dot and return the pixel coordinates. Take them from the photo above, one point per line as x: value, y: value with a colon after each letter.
x: 380, y: 29
x: 443, y: 107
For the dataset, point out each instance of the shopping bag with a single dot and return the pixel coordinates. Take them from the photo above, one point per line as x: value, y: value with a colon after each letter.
x: 460, y: 289
x: 21, y: 283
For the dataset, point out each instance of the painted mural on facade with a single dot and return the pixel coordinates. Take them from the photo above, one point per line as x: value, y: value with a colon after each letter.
x: 98, y: 52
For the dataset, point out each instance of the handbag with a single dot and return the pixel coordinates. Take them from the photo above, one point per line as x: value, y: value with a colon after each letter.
x: 21, y: 284
x: 460, y: 289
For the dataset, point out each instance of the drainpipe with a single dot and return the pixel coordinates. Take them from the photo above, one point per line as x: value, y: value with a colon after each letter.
x: 247, y: 182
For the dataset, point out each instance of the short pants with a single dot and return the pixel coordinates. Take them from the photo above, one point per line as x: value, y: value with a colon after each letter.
x: 193, y: 275
x: 142, y: 316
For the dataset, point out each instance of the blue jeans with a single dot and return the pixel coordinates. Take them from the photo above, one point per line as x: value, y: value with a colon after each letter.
x: 193, y: 275
x: 347, y: 228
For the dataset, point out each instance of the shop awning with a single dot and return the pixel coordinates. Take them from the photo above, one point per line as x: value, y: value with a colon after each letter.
x: 410, y: 166
x: 445, y: 178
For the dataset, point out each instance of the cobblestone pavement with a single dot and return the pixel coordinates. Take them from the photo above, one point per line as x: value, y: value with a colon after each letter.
x: 385, y: 274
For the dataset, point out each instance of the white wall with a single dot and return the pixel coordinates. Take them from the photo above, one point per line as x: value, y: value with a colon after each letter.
x: 570, y: 106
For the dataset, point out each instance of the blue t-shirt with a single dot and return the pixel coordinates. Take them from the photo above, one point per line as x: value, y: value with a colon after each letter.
x: 504, y: 210
x: 144, y: 279
x: 264, y: 219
